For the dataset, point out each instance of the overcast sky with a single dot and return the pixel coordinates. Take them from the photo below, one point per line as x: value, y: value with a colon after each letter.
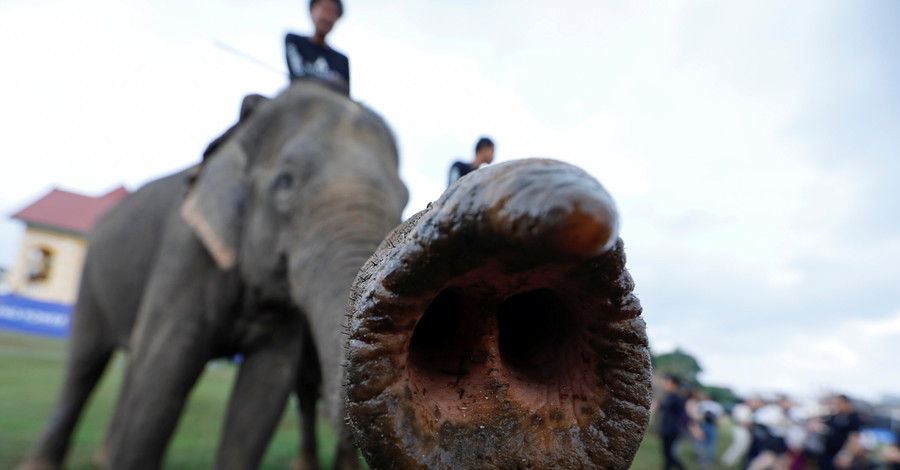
x: 753, y: 148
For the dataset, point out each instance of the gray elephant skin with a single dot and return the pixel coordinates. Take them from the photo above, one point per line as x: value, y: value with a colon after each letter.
x: 253, y: 253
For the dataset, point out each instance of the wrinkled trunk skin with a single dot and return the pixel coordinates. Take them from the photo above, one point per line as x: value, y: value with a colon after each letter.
x: 498, y: 329
x: 349, y: 223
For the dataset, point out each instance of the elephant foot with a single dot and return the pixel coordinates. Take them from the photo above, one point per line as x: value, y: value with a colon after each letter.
x: 38, y: 464
x: 498, y: 329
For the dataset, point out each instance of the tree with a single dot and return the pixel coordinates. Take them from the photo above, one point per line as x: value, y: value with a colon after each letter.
x: 679, y: 364
x: 723, y: 395
x: 684, y: 366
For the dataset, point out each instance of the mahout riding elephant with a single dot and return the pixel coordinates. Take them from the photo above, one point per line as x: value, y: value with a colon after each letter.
x: 498, y: 329
x: 252, y: 254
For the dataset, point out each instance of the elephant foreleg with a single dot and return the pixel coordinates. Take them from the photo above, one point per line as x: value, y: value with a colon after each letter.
x: 264, y: 383
x: 120, y: 414
x: 163, y: 370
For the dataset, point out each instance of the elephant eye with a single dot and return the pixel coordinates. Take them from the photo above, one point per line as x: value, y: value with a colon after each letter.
x: 283, y: 181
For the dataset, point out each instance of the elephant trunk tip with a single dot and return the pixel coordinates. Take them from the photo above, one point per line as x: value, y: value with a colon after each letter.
x: 576, y: 218
x: 588, y: 229
x: 498, y: 329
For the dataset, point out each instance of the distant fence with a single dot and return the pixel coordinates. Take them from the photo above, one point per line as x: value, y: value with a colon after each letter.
x: 37, y: 318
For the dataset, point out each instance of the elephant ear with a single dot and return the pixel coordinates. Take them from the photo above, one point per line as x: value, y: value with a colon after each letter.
x: 215, y: 205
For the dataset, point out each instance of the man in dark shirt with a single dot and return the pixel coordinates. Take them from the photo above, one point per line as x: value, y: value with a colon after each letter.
x: 672, y: 421
x: 841, y: 436
x: 484, y: 154
x: 312, y: 57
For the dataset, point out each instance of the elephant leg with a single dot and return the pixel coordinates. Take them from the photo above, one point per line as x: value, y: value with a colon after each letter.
x: 89, y: 352
x: 120, y: 413
x: 264, y: 383
x: 163, y: 369
x: 309, y: 384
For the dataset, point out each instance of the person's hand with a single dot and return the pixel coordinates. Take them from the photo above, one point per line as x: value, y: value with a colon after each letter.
x: 816, y: 426
x: 891, y: 454
x: 697, y: 432
x: 843, y: 459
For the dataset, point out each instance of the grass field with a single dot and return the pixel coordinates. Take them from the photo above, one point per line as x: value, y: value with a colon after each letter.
x: 30, y: 376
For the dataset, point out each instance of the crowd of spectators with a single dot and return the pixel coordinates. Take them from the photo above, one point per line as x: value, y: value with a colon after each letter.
x: 768, y: 434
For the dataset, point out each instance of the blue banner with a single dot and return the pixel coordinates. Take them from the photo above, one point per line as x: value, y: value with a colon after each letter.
x: 34, y: 317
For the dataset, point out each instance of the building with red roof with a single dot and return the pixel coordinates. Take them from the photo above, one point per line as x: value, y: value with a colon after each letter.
x: 69, y: 212
x: 54, y: 245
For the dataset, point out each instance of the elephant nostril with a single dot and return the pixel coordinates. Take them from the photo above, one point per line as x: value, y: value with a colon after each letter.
x: 437, y: 345
x: 534, y: 329
x: 465, y: 343
x: 437, y: 324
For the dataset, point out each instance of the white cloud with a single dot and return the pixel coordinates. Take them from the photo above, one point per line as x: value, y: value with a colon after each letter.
x: 879, y: 329
x: 856, y: 356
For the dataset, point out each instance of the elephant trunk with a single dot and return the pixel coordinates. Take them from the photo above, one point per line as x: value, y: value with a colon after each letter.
x: 497, y: 328
x: 346, y: 227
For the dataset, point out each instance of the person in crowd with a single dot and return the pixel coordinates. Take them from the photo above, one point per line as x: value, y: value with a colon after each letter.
x: 770, y: 428
x: 312, y: 57
x: 795, y: 433
x: 891, y: 454
x: 706, y: 442
x: 841, y: 436
x: 672, y: 421
x: 742, y: 416
x: 484, y: 154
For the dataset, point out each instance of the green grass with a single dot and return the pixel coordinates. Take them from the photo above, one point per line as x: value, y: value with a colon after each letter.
x: 649, y: 456
x: 30, y: 375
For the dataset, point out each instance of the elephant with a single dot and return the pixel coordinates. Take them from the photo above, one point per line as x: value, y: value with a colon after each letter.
x: 498, y: 328
x: 254, y: 253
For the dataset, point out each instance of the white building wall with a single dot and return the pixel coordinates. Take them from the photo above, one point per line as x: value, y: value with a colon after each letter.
x: 64, y: 274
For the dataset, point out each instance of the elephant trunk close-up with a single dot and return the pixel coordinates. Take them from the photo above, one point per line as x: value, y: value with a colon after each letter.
x: 497, y: 329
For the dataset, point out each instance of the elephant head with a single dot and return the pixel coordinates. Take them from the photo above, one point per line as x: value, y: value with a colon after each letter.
x: 296, y: 199
x: 498, y: 329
